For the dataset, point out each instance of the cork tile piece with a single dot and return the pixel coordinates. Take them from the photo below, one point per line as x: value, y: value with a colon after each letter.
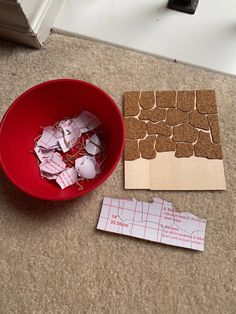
x: 198, y: 120
x: 215, y: 128
x: 205, y: 148
x: 147, y: 148
x: 166, y: 99
x: 184, y: 133
x: 131, y: 106
x: 175, y: 116
x: 185, y: 100
x: 131, y: 150
x: 164, y: 144
x: 202, y: 147
x: 147, y: 100
x: 135, y: 129
x: 206, y: 101
x: 154, y: 115
x: 184, y: 150
x: 215, y: 152
x: 159, y: 128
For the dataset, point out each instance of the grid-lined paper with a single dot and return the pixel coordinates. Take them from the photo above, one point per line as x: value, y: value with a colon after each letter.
x: 67, y: 177
x: 157, y: 222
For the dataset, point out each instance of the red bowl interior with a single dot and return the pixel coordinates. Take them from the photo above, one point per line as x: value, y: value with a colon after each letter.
x: 43, y: 105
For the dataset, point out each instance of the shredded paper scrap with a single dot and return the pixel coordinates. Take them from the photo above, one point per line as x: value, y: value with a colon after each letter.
x: 157, y: 221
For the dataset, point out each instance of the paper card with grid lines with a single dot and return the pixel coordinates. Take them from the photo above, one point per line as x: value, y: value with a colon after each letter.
x: 157, y: 222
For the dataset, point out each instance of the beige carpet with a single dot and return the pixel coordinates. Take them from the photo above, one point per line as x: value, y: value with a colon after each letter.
x: 52, y: 259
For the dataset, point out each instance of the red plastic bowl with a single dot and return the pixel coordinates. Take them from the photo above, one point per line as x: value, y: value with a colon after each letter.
x: 43, y: 105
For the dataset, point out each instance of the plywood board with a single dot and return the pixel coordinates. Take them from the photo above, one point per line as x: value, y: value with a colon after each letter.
x: 166, y: 172
x: 173, y: 141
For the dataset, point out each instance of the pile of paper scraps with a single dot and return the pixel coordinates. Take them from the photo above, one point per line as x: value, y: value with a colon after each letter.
x: 61, y: 138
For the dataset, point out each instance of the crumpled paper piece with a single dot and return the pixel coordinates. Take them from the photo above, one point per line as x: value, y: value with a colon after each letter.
x: 67, y: 177
x: 87, y: 167
x: 93, y: 145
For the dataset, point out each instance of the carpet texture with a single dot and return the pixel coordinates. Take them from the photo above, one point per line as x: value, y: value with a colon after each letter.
x: 52, y: 259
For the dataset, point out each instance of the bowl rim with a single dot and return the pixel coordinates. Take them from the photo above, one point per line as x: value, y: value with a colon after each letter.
x: 99, y: 182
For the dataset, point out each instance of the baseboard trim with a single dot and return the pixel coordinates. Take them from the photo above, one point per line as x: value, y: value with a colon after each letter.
x: 39, y: 27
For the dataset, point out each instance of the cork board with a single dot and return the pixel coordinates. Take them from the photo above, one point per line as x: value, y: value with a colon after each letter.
x: 172, y: 141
